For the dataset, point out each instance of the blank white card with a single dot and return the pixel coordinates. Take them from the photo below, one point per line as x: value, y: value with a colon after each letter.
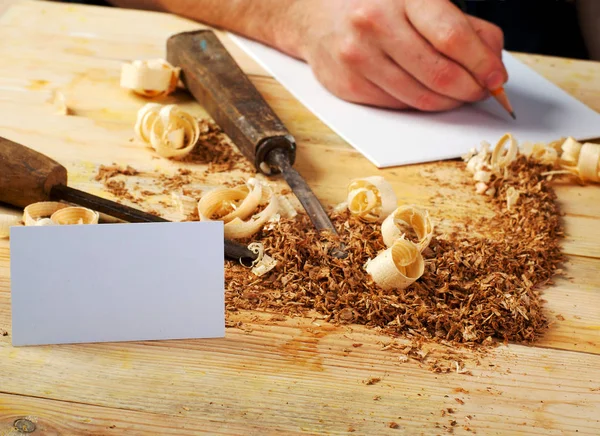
x: 117, y: 282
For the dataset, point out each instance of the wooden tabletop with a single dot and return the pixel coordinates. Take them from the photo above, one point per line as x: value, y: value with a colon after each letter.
x: 295, y: 376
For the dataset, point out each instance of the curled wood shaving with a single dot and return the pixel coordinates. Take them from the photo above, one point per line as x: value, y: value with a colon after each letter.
x: 371, y: 199
x: 33, y: 213
x: 236, y: 207
x: 501, y: 157
x: 150, y: 78
x: 172, y: 132
x: 398, y: 266
x: 589, y: 162
x: 542, y: 152
x: 48, y: 213
x: 75, y: 215
x: 403, y: 220
x: 263, y: 263
x: 570, y: 152
x: 6, y: 222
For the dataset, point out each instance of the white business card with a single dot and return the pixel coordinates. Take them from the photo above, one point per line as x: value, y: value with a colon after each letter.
x: 117, y: 282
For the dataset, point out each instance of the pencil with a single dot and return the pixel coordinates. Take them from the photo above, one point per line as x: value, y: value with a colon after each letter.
x: 500, y: 95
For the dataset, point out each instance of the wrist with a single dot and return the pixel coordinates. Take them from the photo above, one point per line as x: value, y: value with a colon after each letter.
x: 289, y: 29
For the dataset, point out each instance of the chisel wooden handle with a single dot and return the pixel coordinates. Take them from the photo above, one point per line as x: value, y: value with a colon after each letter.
x: 27, y: 176
x: 219, y: 84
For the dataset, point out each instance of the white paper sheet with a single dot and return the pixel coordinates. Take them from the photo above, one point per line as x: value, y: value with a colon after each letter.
x: 117, y: 282
x: 391, y: 138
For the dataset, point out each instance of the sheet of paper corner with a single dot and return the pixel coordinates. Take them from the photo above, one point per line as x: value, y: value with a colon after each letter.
x: 117, y: 282
x: 394, y: 138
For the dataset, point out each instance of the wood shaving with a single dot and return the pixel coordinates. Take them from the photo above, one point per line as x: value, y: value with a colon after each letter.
x: 172, y: 132
x: 589, y: 162
x: 75, y: 215
x: 502, y: 157
x: 263, y: 263
x: 106, y: 172
x: 540, y: 151
x: 185, y: 204
x: 570, y: 152
x: 286, y: 209
x: 237, y: 208
x: 398, y: 266
x: 6, y: 222
x: 568, y: 157
x: 33, y: 213
x: 59, y: 102
x: 512, y: 196
x: 372, y: 381
x: 49, y: 213
x: 150, y: 78
x: 372, y: 199
x: 408, y: 221
x: 478, y: 161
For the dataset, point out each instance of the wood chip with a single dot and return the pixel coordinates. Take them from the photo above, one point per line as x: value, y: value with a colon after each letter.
x: 150, y: 78
x: 168, y: 129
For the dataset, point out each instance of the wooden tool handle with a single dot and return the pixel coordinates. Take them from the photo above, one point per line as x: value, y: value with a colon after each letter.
x: 27, y: 176
x: 219, y: 84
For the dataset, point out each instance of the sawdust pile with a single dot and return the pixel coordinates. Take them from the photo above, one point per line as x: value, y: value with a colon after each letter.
x: 482, y: 282
x: 215, y: 149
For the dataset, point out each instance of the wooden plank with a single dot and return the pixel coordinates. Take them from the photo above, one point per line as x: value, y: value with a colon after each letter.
x: 6, y: 4
x: 578, y: 77
x: 103, y: 32
x: 572, y: 305
x: 52, y: 417
x: 299, y: 378
x: 272, y: 377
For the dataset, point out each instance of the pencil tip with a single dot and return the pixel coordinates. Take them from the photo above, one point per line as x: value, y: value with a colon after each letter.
x: 512, y: 114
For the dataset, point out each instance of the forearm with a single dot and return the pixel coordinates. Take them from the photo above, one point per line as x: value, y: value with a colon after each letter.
x: 274, y: 22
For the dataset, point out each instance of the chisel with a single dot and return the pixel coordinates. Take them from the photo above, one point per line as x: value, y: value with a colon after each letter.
x: 27, y: 177
x: 218, y: 83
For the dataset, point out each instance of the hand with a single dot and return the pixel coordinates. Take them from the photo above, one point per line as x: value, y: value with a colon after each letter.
x: 421, y: 54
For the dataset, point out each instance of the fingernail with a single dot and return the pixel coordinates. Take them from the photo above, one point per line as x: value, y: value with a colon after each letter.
x: 495, y: 80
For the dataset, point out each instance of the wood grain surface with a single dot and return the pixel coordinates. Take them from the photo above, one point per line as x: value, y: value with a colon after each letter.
x: 267, y: 376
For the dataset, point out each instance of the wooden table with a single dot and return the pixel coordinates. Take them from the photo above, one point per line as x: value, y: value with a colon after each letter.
x: 270, y: 377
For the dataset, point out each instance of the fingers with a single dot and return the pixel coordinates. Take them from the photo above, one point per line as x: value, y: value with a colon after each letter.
x: 347, y: 83
x: 433, y: 70
x: 489, y: 33
x: 449, y: 31
x: 395, y: 81
x: 375, y: 73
